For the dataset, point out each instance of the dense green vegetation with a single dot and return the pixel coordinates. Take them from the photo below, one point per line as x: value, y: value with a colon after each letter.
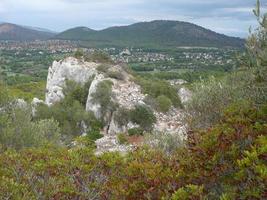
x: 70, y: 113
x: 226, y: 162
x: 26, y: 66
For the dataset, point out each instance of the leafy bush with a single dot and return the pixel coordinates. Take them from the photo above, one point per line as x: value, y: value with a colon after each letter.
x: 99, y: 57
x: 135, y: 131
x: 70, y: 112
x: 143, y: 116
x: 156, y: 88
x: 122, y: 116
x: 103, y: 96
x: 93, y: 135
x: 166, y: 142
x: 18, y: 131
x: 212, y: 96
x: 122, y: 138
x: 78, y: 54
x: 116, y: 75
x: 103, y: 68
x: 164, y: 103
x: 76, y: 92
x: 190, y: 192
x: 70, y: 118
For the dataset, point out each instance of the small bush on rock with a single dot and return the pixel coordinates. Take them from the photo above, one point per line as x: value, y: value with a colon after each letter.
x: 99, y: 57
x: 143, y: 116
x: 103, y: 68
x: 116, y: 75
x: 164, y: 103
x: 135, y: 131
x: 122, y: 139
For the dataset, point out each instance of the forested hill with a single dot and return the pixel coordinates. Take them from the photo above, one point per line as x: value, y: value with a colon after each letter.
x: 21, y: 33
x: 153, y: 34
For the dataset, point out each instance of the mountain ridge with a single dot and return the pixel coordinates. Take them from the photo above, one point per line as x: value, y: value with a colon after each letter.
x: 154, y: 33
x: 9, y: 31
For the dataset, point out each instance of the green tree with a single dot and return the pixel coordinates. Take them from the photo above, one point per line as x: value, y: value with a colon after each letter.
x: 143, y: 116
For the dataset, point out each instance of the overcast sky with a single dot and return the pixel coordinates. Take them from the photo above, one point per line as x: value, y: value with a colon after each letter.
x: 231, y: 17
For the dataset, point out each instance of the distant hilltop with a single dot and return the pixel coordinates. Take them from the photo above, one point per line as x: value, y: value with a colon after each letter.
x: 15, y: 32
x: 155, y: 34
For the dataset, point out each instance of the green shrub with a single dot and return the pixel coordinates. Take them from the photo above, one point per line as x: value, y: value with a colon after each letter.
x: 143, y: 116
x: 103, y: 96
x: 156, y: 88
x: 164, y: 103
x: 116, y: 75
x: 76, y: 92
x: 122, y: 138
x: 190, y: 192
x: 70, y: 112
x: 165, y: 142
x: 78, y: 54
x: 103, y: 68
x: 93, y: 135
x: 122, y: 116
x: 99, y: 57
x: 18, y: 131
x: 212, y: 96
x: 135, y: 131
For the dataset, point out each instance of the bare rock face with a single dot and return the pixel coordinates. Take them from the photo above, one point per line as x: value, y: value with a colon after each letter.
x: 68, y: 69
x: 90, y: 104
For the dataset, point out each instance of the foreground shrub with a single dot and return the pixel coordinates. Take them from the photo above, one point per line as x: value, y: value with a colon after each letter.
x: 225, y: 162
x: 18, y: 131
x: 166, y: 142
x: 230, y: 159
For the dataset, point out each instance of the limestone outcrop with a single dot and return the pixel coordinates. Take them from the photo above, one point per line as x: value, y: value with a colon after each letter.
x: 125, y: 93
x: 67, y: 69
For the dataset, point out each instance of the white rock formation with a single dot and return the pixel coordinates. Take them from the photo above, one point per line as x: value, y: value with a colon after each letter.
x: 21, y: 103
x: 68, y: 69
x: 185, y: 94
x: 35, y: 102
x: 90, y: 104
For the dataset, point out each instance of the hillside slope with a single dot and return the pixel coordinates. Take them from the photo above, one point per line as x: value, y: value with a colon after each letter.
x: 152, y: 34
x: 20, y: 33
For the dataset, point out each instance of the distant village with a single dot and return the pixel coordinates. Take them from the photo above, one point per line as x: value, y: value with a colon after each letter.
x: 125, y: 55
